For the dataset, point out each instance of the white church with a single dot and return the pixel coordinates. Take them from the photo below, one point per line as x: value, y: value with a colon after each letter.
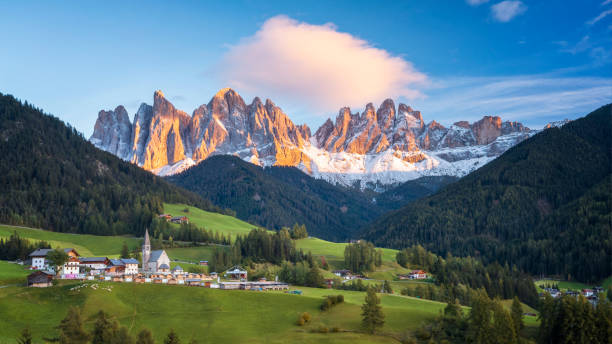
x: 156, y: 261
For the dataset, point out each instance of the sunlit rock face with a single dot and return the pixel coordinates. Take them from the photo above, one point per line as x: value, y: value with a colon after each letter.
x: 379, y: 146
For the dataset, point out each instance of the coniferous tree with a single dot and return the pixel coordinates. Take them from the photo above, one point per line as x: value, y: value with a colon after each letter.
x: 25, y: 336
x: 104, y: 329
x: 503, y: 327
x: 122, y: 336
x: 517, y: 315
x: 145, y: 337
x: 373, y: 317
x: 479, y: 320
x: 172, y: 338
x: 125, y: 251
x: 71, y: 328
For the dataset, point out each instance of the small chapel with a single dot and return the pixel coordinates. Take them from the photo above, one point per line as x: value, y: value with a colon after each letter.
x: 154, y: 261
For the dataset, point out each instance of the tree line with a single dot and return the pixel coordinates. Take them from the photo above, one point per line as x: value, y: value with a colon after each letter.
x: 362, y: 257
x: 15, y: 247
x: 454, y: 272
x: 106, y: 330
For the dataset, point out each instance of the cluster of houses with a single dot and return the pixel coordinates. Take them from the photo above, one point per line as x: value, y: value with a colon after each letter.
x: 155, y: 269
x: 174, y: 219
x: 590, y: 294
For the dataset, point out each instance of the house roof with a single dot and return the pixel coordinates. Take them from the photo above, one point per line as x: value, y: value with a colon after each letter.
x: 93, y: 259
x: 155, y: 255
x: 129, y: 261
x: 116, y: 262
x: 41, y: 252
x: 164, y: 266
x: 177, y: 268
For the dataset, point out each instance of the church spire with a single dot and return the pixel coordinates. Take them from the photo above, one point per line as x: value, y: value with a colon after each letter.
x: 147, y: 242
x: 146, y: 251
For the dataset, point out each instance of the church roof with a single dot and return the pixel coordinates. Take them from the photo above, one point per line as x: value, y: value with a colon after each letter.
x: 155, y: 255
x: 164, y: 266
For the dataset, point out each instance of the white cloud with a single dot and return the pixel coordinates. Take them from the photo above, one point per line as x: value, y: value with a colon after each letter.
x: 316, y: 65
x: 506, y: 10
x: 478, y: 2
x: 601, y: 16
x: 606, y: 2
x: 532, y: 99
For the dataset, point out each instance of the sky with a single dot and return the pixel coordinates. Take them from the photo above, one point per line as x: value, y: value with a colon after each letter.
x: 527, y: 61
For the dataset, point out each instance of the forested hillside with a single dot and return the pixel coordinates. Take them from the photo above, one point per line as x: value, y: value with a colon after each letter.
x: 279, y: 196
x: 52, y: 178
x: 544, y: 205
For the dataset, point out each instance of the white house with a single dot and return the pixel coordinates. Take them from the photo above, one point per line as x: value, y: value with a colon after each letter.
x: 39, y: 258
x: 71, y: 268
x: 131, y: 266
x: 95, y: 264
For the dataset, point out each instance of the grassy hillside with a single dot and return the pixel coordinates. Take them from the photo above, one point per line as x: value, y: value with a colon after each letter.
x: 206, y: 314
x: 204, y: 219
x: 12, y: 273
x: 85, y: 244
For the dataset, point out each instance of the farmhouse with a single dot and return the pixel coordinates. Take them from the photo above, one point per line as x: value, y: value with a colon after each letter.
x: 236, y: 273
x: 40, y: 279
x: 346, y: 274
x: 165, y: 216
x: 179, y: 219
x: 418, y: 274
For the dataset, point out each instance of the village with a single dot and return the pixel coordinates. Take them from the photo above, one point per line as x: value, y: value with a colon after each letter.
x: 155, y: 269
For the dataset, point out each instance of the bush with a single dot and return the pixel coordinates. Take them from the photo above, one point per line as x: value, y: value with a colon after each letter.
x: 300, y: 321
x: 335, y: 329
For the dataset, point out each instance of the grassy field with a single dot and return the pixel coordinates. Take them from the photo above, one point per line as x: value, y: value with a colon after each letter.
x: 334, y: 252
x: 12, y: 273
x: 206, y: 314
x: 85, y: 244
x: 204, y: 219
x: 566, y: 285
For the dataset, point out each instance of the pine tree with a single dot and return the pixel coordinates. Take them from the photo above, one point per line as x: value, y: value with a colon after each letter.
x: 25, y: 337
x: 71, y: 328
x: 479, y: 320
x: 503, y: 326
x: 125, y: 251
x: 145, y: 337
x: 172, y: 338
x: 104, y: 329
x: 373, y: 318
x: 517, y: 315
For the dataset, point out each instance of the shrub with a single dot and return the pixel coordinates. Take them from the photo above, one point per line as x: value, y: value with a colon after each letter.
x: 306, y: 316
x: 335, y: 329
x: 340, y: 298
x: 300, y: 321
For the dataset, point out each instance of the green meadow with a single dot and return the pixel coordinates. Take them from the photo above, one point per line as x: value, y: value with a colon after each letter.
x: 207, y: 315
x: 85, y: 244
x: 210, y: 221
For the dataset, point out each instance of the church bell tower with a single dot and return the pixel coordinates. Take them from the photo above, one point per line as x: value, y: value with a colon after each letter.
x: 146, y: 250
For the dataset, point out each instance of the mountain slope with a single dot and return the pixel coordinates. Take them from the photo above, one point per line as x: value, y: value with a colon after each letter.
x: 544, y: 205
x: 375, y: 149
x: 279, y: 196
x: 52, y: 178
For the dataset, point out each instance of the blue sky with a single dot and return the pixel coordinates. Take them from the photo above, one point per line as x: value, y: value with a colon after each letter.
x: 531, y: 61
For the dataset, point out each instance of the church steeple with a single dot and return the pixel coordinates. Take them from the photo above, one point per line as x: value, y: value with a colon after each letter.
x: 146, y: 250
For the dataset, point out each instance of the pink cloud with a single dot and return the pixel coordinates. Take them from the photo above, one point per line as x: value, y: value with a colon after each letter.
x: 317, y: 66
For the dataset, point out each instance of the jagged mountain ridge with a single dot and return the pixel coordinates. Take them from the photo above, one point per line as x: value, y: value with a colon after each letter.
x: 375, y: 148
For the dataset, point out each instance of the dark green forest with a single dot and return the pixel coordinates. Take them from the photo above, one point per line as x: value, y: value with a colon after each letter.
x: 52, y: 178
x: 544, y: 206
x: 277, y: 197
